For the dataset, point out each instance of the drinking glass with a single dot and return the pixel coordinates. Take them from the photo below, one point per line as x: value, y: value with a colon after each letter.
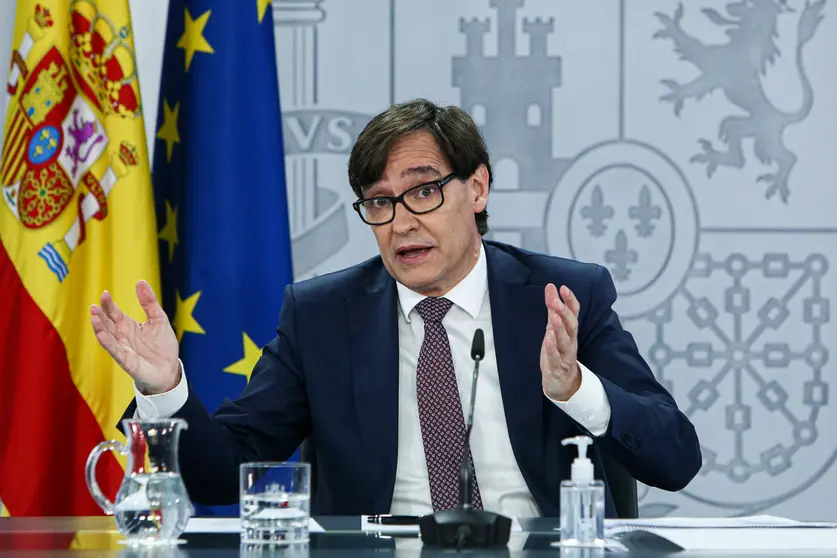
x: 275, y: 502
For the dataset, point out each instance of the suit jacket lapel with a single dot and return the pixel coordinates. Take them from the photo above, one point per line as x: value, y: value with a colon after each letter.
x: 373, y: 326
x: 518, y: 316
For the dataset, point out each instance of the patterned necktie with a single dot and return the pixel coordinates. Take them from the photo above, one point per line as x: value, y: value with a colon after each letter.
x: 440, y: 410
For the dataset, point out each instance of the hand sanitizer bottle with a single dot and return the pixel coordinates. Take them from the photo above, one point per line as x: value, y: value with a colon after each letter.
x: 582, y: 501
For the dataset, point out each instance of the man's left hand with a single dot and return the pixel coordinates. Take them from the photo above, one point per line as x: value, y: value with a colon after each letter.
x: 561, y: 375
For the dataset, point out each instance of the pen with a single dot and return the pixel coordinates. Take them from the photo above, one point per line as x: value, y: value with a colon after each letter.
x: 394, y: 519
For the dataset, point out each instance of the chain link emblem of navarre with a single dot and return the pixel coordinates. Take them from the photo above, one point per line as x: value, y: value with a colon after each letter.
x: 440, y: 409
x: 56, y: 142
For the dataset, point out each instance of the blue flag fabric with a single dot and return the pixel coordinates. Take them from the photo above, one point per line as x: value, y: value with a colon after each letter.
x: 219, y: 185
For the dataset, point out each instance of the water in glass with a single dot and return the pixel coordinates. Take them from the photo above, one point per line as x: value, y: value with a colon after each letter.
x: 275, y: 503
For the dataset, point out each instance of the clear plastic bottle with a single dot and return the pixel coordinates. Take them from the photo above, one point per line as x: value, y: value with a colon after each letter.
x: 582, y: 501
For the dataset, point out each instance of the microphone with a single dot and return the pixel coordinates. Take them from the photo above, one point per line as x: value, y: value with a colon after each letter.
x: 465, y: 477
x: 478, y: 347
x: 466, y: 526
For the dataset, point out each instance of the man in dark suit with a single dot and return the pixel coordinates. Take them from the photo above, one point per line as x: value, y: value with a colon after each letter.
x: 372, y: 364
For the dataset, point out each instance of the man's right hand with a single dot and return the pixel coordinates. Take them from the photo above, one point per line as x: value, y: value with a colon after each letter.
x: 147, y: 351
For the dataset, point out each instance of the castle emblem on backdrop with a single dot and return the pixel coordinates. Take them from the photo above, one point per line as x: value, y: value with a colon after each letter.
x: 736, y: 68
x: 515, y: 116
x: 56, y: 146
x: 615, y: 202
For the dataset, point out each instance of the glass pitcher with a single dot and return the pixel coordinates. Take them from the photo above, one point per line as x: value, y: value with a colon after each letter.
x: 152, y: 505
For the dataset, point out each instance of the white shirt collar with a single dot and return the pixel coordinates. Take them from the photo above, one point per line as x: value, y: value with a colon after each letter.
x: 468, y: 294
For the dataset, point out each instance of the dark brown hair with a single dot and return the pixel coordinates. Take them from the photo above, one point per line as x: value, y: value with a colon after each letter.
x: 456, y: 134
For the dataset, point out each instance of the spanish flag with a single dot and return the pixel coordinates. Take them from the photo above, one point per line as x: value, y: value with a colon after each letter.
x: 77, y: 218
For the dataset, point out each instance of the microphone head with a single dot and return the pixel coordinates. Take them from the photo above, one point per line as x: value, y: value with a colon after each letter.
x: 478, y: 345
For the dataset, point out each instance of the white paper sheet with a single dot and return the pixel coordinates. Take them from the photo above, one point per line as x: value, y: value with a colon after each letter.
x: 747, y: 522
x: 753, y: 539
x: 231, y: 525
x: 376, y: 528
x: 752, y: 533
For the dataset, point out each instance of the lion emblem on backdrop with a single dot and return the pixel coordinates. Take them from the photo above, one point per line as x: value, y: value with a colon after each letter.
x: 736, y: 68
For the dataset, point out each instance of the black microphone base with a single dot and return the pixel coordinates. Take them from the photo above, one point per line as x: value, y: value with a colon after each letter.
x: 465, y: 528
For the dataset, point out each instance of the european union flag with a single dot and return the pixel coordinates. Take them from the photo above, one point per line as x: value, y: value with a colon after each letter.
x: 219, y: 185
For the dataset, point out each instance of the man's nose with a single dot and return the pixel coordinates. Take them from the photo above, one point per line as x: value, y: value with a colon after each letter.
x: 403, y: 221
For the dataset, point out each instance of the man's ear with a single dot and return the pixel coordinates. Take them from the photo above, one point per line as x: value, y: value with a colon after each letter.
x: 479, y: 188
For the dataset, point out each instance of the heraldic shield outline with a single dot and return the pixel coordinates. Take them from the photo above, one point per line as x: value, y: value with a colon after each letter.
x: 633, y: 206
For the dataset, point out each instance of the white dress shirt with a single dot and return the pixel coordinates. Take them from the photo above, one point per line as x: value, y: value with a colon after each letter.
x: 502, y: 487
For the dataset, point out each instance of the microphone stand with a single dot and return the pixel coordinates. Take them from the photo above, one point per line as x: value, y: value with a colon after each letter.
x: 466, y: 526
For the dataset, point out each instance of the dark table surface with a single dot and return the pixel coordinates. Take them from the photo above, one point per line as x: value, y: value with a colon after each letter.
x: 343, y: 538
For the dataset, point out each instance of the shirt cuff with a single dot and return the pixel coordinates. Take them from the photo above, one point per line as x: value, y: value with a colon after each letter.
x: 589, y: 405
x: 162, y: 405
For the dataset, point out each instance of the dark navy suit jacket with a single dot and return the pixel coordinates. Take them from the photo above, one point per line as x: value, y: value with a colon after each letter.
x: 331, y: 375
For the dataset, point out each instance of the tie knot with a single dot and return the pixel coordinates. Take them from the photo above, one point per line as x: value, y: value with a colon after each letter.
x: 433, y: 309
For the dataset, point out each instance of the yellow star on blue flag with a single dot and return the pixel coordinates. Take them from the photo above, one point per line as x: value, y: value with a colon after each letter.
x: 219, y: 187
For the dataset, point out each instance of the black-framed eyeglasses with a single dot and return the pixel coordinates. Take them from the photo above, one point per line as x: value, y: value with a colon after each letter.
x: 420, y: 199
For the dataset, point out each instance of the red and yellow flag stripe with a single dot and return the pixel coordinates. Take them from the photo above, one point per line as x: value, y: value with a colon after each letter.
x: 77, y: 218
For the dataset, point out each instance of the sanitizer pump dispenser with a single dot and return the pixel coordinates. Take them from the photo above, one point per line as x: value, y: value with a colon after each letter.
x: 582, y: 501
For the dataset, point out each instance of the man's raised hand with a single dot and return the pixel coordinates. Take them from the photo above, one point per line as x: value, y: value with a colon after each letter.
x: 147, y: 351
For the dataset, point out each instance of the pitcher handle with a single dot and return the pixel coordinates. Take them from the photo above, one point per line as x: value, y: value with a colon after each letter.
x: 90, y: 472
